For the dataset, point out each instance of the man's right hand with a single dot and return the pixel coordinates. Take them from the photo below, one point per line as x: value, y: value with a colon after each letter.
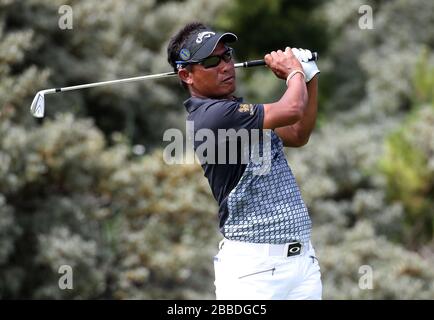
x: 282, y: 63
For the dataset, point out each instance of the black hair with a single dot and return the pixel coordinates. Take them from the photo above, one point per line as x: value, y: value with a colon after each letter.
x: 177, y: 42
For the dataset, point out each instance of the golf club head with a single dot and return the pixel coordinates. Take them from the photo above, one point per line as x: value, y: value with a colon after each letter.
x: 38, y: 105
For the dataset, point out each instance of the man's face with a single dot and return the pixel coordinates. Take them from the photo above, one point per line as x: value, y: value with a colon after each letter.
x: 216, y: 82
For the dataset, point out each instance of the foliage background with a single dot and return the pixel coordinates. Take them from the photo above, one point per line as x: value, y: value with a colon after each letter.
x: 76, y: 189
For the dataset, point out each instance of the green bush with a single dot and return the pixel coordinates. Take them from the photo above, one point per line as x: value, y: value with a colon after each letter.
x: 129, y: 227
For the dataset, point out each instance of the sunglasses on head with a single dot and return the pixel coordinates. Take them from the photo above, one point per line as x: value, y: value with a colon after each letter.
x: 214, y: 61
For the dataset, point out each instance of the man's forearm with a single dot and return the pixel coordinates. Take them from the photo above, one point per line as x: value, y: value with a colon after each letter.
x: 298, y: 134
x: 306, y: 125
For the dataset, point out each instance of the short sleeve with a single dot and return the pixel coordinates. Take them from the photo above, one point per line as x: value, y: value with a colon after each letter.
x: 234, y: 115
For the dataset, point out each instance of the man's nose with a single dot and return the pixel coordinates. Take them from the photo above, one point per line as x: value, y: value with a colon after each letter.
x: 226, y: 66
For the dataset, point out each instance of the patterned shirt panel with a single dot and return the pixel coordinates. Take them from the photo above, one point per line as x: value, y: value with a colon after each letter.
x: 267, y: 208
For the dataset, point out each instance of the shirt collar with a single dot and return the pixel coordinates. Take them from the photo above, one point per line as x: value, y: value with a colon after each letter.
x: 192, y: 103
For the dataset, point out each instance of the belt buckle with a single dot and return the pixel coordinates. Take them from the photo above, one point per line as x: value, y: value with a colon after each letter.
x: 294, y: 249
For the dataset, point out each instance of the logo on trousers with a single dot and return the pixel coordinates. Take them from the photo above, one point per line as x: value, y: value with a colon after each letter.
x: 294, y: 249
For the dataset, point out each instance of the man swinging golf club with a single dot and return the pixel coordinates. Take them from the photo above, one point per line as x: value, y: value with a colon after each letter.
x: 266, y: 252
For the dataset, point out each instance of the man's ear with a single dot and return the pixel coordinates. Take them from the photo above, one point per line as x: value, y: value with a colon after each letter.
x: 185, y: 76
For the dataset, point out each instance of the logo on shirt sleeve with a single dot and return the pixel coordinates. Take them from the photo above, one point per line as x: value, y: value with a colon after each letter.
x: 244, y: 107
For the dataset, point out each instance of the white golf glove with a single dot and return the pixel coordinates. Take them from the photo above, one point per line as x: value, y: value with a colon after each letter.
x: 310, y: 68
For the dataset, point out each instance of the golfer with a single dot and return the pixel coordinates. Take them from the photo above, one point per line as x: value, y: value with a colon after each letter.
x: 266, y: 252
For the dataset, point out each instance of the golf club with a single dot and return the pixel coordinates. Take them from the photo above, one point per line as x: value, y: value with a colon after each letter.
x: 37, y: 107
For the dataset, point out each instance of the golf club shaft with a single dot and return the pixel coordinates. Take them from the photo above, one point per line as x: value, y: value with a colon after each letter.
x: 37, y: 108
x: 148, y: 77
x: 103, y: 83
x: 246, y: 64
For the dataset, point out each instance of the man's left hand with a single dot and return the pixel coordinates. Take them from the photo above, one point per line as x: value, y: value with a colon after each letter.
x: 310, y: 68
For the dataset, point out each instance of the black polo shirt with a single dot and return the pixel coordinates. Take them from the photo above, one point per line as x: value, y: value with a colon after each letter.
x: 216, y: 114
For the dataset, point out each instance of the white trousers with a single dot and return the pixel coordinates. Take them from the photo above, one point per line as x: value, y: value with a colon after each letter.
x: 249, y: 271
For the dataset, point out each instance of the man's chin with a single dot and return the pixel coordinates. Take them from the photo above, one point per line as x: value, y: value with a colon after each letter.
x: 227, y: 94
x: 231, y: 88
